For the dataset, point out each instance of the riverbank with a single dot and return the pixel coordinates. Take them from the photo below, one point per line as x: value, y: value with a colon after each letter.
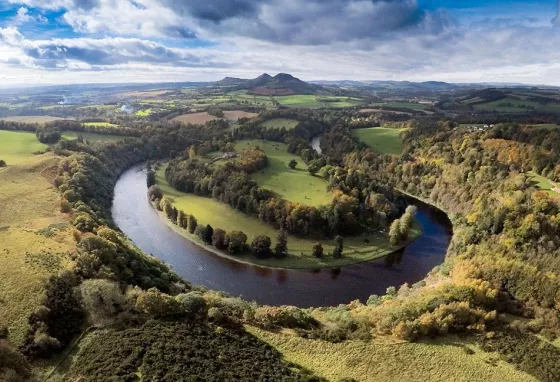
x: 357, y: 250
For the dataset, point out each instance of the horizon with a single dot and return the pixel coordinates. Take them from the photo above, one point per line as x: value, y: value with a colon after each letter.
x: 61, y: 42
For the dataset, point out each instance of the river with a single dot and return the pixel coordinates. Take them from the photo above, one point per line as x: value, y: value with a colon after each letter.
x: 135, y: 216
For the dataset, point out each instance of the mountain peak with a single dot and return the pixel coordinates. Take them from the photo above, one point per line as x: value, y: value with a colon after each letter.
x: 284, y: 77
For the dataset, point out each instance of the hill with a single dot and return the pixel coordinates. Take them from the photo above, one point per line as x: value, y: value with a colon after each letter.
x: 265, y: 84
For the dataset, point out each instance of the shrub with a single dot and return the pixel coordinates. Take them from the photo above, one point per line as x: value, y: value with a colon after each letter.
x: 103, y: 300
x: 192, y: 303
x: 48, y: 135
x: 317, y: 250
x: 157, y: 304
x: 284, y: 316
x: 2, y: 163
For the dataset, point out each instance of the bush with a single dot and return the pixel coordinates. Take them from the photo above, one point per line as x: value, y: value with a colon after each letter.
x: 157, y: 304
x: 192, y: 303
x: 2, y: 163
x: 284, y: 316
x: 103, y: 300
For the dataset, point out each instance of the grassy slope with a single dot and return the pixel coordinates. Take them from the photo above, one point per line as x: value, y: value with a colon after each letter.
x: 218, y: 215
x: 386, y: 141
x: 16, y: 147
x: 300, y: 101
x: 445, y: 359
x: 34, y: 238
x: 295, y: 185
x: 279, y: 123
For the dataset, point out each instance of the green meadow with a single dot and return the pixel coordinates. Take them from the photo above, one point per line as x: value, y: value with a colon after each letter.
x: 296, y: 185
x: 16, y: 147
x: 383, y: 140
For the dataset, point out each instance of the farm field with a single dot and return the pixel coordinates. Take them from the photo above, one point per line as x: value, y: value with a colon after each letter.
x: 383, y: 140
x: 16, y: 147
x: 279, y: 123
x: 445, y: 359
x: 300, y: 101
x: 243, y: 97
x: 195, y: 118
x: 294, y: 185
x: 219, y: 215
x: 234, y: 115
x: 32, y: 119
x: 35, y: 239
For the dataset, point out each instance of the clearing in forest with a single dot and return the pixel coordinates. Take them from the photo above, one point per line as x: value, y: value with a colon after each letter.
x: 195, y: 118
x: 381, y: 139
x: 296, y: 185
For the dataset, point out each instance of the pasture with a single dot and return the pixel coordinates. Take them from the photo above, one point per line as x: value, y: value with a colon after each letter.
x: 92, y: 137
x: 304, y: 101
x: 219, y: 215
x: 383, y: 359
x: 279, y: 123
x: 194, y: 118
x: 296, y: 185
x: 32, y: 119
x: 16, y: 146
x: 35, y: 239
x: 380, y: 139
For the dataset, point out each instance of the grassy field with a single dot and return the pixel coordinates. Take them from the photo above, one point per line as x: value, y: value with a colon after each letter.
x: 32, y: 119
x: 243, y: 97
x: 35, y: 241
x: 300, y: 101
x: 383, y: 140
x: 445, y: 359
x: 544, y: 184
x: 144, y: 113
x: 234, y: 115
x: 279, y: 123
x: 295, y: 185
x: 100, y: 124
x: 16, y: 147
x: 218, y: 215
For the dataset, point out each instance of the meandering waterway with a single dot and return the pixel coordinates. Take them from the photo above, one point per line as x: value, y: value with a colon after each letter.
x: 135, y: 216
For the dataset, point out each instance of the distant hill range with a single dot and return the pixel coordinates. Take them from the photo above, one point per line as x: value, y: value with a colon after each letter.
x: 281, y: 84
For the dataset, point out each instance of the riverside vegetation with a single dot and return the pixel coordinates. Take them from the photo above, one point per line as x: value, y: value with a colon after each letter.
x: 497, y: 289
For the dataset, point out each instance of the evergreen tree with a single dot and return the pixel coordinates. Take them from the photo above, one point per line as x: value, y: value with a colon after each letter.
x: 208, y: 233
x: 318, y: 250
x: 192, y: 224
x: 339, y: 247
x: 395, y: 233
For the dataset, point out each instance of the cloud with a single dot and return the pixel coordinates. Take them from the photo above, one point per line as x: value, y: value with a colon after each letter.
x: 79, y: 53
x: 304, y: 22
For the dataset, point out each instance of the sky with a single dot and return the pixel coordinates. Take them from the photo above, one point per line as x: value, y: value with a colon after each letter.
x: 118, y: 41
